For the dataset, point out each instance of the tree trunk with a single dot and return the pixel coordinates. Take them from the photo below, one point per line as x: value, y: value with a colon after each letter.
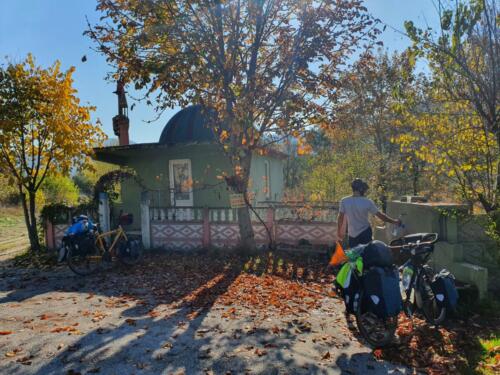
x: 382, y: 186
x: 35, y: 245
x: 30, y: 218
x: 415, y: 179
x: 247, y: 238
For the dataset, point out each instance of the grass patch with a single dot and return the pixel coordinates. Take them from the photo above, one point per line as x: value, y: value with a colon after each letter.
x: 490, y: 358
x: 483, y: 354
x: 10, y: 217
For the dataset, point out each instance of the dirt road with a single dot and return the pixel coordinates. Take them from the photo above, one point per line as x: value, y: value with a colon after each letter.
x: 175, y: 315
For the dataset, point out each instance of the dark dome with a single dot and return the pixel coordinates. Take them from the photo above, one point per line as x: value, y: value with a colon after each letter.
x: 187, y: 125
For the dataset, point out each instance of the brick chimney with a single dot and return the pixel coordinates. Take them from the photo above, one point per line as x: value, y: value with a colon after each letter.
x: 120, y: 127
x: 121, y: 121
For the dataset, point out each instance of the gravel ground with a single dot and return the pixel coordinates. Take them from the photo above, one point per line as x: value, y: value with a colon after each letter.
x: 167, y: 320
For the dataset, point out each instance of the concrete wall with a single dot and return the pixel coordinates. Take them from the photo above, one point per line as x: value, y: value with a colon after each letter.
x: 478, y: 248
x: 451, y: 252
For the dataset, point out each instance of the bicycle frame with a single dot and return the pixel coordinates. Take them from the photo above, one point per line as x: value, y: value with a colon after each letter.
x: 415, y: 281
x: 100, y: 240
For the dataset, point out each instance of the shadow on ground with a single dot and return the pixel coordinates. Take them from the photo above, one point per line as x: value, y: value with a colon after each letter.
x: 167, y: 319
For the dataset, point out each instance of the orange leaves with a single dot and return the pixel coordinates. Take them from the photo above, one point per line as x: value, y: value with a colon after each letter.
x: 224, y: 135
x: 69, y: 329
x: 260, y: 352
x: 303, y: 148
x: 229, y: 313
x: 267, y: 292
x: 153, y: 314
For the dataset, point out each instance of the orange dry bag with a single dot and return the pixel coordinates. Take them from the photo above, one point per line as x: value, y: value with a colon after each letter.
x: 338, y: 256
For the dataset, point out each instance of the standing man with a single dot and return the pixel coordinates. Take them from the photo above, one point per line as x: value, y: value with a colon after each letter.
x: 355, y: 209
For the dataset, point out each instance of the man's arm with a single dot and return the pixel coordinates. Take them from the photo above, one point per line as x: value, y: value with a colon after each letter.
x: 387, y: 219
x: 340, y: 226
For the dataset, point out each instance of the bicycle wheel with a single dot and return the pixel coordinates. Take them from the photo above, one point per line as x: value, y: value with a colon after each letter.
x: 129, y: 252
x: 434, y: 314
x: 83, y: 261
x: 376, y: 331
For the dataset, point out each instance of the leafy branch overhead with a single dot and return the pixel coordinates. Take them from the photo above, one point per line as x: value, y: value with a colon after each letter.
x: 264, y: 66
x: 262, y: 69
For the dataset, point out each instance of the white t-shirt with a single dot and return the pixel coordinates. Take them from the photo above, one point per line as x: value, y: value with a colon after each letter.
x: 356, y: 209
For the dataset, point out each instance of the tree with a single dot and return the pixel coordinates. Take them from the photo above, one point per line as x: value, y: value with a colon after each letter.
x: 464, y: 57
x: 258, y: 67
x: 449, y: 137
x: 85, y: 180
x: 43, y: 129
x: 364, y: 119
x: 57, y: 188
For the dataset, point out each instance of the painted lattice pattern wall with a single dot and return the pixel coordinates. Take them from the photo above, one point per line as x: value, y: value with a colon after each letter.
x: 177, y: 236
x: 317, y: 233
x: 228, y: 235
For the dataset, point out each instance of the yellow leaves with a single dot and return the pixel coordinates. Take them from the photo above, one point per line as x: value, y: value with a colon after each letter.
x: 224, y: 135
x: 44, y: 119
x: 303, y: 148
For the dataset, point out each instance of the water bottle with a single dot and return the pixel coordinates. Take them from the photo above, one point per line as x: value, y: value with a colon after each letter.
x: 407, y: 275
x: 397, y: 230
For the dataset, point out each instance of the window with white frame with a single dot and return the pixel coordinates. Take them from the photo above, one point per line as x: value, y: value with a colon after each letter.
x: 181, y: 182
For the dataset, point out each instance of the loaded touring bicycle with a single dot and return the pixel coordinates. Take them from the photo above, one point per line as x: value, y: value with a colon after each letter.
x: 369, y: 282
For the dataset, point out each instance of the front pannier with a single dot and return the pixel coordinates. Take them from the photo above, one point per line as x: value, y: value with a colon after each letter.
x: 443, y: 287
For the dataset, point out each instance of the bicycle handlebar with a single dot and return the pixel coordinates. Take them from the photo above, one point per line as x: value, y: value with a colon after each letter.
x: 412, y: 245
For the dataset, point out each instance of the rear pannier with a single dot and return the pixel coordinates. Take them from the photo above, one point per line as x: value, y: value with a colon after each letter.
x: 382, y: 294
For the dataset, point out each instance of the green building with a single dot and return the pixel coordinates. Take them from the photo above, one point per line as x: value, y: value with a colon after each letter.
x: 184, y: 168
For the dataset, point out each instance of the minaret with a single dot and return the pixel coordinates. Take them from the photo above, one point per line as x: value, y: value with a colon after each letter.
x: 121, y: 121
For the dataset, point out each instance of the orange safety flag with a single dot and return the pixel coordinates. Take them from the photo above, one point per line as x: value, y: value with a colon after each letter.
x: 338, y: 256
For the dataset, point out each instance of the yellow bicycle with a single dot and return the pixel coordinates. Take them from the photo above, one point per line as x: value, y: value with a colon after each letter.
x: 89, y: 251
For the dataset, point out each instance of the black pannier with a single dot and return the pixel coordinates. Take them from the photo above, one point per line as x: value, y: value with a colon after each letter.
x: 377, y: 254
x: 351, y: 294
x: 382, y: 294
x: 80, y: 244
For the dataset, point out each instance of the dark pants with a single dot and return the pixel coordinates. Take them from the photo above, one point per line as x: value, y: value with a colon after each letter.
x: 361, y: 239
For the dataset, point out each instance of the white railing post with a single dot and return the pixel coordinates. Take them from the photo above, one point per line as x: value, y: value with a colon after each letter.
x: 104, y: 212
x: 145, y: 220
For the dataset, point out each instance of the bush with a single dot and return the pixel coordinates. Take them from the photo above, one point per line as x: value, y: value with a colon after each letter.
x: 59, y: 189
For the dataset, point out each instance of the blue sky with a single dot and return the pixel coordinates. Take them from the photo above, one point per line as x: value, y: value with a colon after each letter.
x: 52, y: 29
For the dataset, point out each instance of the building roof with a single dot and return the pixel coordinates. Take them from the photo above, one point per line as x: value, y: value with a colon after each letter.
x: 186, y: 126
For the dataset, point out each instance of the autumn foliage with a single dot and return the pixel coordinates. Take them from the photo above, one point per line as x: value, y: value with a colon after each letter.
x: 44, y: 129
x: 261, y: 69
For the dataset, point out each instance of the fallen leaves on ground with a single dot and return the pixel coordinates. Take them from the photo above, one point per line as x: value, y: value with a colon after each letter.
x: 266, y: 287
x: 437, y: 350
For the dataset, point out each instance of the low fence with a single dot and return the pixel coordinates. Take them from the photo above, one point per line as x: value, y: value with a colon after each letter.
x: 187, y: 228
x: 54, y: 234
